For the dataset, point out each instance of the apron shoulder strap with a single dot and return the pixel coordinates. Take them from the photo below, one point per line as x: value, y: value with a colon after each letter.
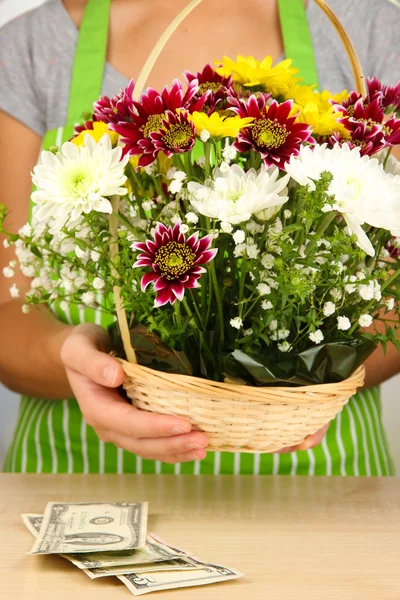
x: 90, y: 57
x: 297, y: 39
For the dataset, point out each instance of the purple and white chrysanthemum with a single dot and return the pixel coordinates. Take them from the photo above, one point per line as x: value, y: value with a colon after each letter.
x: 176, y: 263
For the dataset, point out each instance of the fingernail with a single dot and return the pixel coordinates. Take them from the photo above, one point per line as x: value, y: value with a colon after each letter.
x: 178, y: 429
x: 199, y: 455
x: 193, y: 446
x: 109, y: 374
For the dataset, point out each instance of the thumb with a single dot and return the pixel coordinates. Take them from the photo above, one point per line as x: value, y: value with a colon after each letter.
x: 80, y: 353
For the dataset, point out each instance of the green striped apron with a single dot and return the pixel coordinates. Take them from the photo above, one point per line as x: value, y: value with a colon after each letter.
x: 52, y: 436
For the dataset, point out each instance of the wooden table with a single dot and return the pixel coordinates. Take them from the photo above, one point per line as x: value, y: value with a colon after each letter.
x: 293, y: 538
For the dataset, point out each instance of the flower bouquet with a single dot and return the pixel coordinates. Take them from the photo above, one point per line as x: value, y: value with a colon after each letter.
x: 244, y: 230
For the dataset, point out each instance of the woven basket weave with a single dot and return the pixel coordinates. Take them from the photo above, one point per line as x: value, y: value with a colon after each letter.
x: 238, y: 417
x: 234, y: 417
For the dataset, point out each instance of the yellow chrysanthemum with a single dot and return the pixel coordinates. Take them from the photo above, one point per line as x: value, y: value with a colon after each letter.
x: 323, y: 121
x: 219, y: 126
x: 99, y: 129
x: 301, y: 94
x: 250, y: 72
x: 134, y: 161
x: 304, y: 94
x: 164, y: 163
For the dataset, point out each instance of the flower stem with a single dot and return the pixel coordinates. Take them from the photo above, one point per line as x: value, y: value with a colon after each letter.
x: 177, y: 311
x: 207, y: 155
x: 323, y: 226
x: 241, y: 285
x: 218, y: 301
x: 119, y: 304
x: 188, y: 163
x: 199, y: 317
x: 388, y: 153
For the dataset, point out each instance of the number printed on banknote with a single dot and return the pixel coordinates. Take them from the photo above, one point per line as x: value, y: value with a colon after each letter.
x: 91, y: 527
x: 140, y: 584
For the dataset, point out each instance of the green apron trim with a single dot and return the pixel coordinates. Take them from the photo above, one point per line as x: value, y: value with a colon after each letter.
x: 297, y: 39
x: 90, y: 57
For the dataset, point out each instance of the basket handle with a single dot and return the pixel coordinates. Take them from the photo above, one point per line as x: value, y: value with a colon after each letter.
x: 140, y: 85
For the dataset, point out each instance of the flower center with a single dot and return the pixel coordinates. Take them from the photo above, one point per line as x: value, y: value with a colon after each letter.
x: 174, y: 260
x: 269, y: 134
x: 78, y: 184
x: 355, y: 185
x: 214, y: 86
x: 180, y: 135
x: 153, y: 123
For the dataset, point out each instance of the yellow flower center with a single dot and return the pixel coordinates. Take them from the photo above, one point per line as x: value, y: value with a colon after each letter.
x: 214, y: 86
x: 174, y: 260
x: 269, y: 134
x: 153, y: 123
x: 179, y: 136
x: 78, y: 184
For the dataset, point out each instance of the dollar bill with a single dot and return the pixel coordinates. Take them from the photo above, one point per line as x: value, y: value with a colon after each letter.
x: 33, y: 523
x: 91, y: 527
x: 180, y: 564
x: 140, y: 584
x: 155, y: 550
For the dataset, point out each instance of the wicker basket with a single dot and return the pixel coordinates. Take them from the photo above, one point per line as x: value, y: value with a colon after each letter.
x: 237, y: 417
x: 234, y: 417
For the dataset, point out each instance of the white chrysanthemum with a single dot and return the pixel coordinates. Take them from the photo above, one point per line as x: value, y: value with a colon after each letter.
x: 205, y: 135
x: 365, y: 320
x: 343, y: 323
x: 25, y: 231
x: 283, y: 334
x: 263, y: 289
x: 273, y: 325
x: 237, y: 323
x: 392, y: 164
x: 78, y: 180
x: 239, y: 236
x: 363, y: 192
x: 329, y: 308
x: 390, y: 303
x: 147, y: 205
x: 175, y: 186
x: 234, y: 195
x: 266, y: 305
x: 229, y: 153
x: 284, y: 346
x: 316, y: 336
x: 191, y: 217
x: 94, y: 255
x: 88, y: 298
x: 98, y: 283
x: 14, y: 291
x: 8, y: 272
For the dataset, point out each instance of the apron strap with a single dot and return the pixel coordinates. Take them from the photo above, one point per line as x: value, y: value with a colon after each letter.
x: 297, y: 39
x: 90, y: 58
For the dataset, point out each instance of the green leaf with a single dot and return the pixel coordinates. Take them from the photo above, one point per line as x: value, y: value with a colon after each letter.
x: 35, y: 250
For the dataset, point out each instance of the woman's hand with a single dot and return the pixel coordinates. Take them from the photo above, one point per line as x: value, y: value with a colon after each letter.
x: 93, y: 376
x: 310, y: 442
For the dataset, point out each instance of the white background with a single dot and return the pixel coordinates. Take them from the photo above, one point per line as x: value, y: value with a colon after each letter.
x: 9, y: 402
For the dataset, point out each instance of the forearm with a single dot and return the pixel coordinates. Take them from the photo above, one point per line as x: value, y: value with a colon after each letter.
x: 30, y: 352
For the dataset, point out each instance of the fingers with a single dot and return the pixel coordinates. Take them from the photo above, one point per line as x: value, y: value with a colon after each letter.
x: 313, y: 440
x: 106, y: 410
x: 310, y: 442
x: 81, y: 353
x: 180, y: 448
